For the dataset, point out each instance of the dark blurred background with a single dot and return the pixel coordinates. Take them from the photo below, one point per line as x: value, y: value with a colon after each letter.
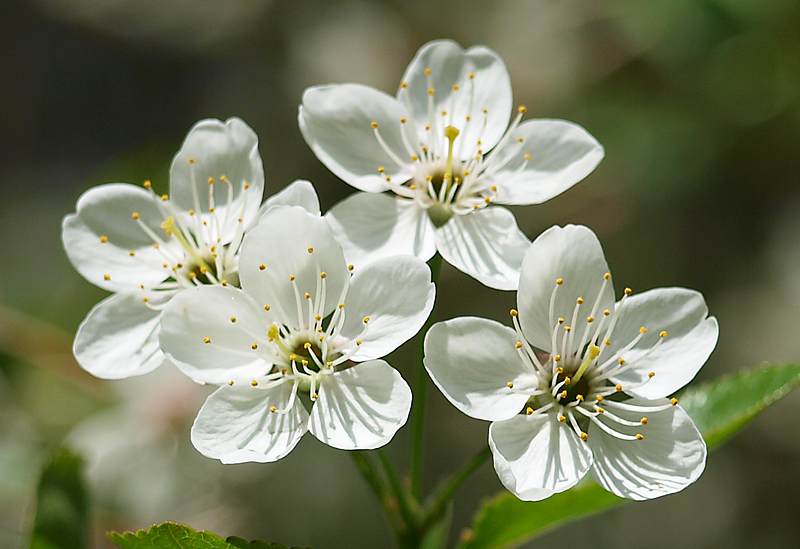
x: 697, y: 103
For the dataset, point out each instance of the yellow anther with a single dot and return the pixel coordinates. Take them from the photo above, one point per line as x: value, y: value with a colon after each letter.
x: 131, y: 253
x: 403, y: 85
x: 513, y: 312
x: 567, y: 380
x: 590, y: 319
x: 568, y: 328
x: 600, y: 410
x: 639, y: 436
x: 262, y: 267
x: 520, y: 140
x: 246, y: 185
x: 310, y: 249
x: 527, y: 156
x: 103, y: 239
x: 373, y: 125
x: 323, y: 274
x: 642, y: 330
x: 232, y: 319
x: 599, y: 398
x: 644, y: 421
x: 267, y: 307
x: 230, y: 382
x: 135, y: 216
x: 559, y: 281
x: 350, y: 267
x: 607, y: 276
x: 471, y: 75
x: 147, y: 184
x: 562, y: 394
x: 314, y: 396
x: 493, y: 188
x: 618, y: 388
x: 663, y: 334
x: 254, y: 346
x: 651, y: 375
x: 673, y: 401
x: 584, y: 436
x: 106, y: 277
x: 403, y: 119
x: 145, y: 299
x: 365, y: 320
x: 341, y: 305
x: 579, y: 301
x: 579, y: 398
x: 518, y: 345
x: 431, y: 91
x: 559, y: 370
x: 381, y: 169
x: 317, y: 318
x: 414, y: 157
x: 359, y: 341
x: 306, y: 345
x: 561, y: 320
x: 211, y: 180
x: 293, y: 357
x: 510, y: 384
x: 628, y: 291
x: 606, y: 312
x: 191, y: 161
x: 562, y: 418
x: 206, y: 340
x: 557, y: 358
x: 529, y: 410
x: 273, y: 408
x: 191, y: 211
x: 292, y: 278
x: 456, y: 87
x: 522, y: 109
x: 224, y: 283
x: 607, y: 342
x: 164, y: 197
x: 223, y: 178
x: 427, y: 71
x: 306, y: 295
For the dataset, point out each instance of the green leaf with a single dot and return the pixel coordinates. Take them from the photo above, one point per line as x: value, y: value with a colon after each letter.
x: 719, y: 408
x: 62, y: 506
x: 171, y: 535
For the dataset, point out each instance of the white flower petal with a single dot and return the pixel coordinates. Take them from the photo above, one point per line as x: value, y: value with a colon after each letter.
x: 362, y: 407
x: 119, y: 338
x: 371, y: 226
x: 200, y: 337
x: 101, y: 235
x: 574, y: 254
x: 298, y: 193
x: 536, y: 456
x: 671, y: 457
x: 561, y: 154
x: 396, y: 295
x: 218, y: 149
x: 471, y: 360
x: 485, y: 244
x: 290, y: 242
x: 451, y: 65
x: 235, y: 425
x: 336, y: 123
x: 692, y: 337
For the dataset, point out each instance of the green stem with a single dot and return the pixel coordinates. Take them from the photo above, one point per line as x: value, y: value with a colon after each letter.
x: 420, y: 396
x: 407, y: 511
x: 447, y: 489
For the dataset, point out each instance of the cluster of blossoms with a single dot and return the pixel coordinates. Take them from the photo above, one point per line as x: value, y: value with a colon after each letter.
x: 289, y: 313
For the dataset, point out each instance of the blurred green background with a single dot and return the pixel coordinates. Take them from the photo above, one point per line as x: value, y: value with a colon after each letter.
x: 697, y: 103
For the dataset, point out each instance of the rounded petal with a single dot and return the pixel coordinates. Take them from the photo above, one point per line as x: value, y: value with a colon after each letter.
x: 110, y: 248
x: 298, y: 193
x: 396, y: 295
x: 573, y: 254
x: 336, y: 121
x: 671, y: 457
x: 561, y: 154
x: 463, y: 97
x: 485, y: 244
x: 235, y: 425
x: 471, y: 360
x: 208, y: 332
x: 226, y: 154
x: 679, y: 356
x: 360, y: 408
x: 119, y: 338
x: 537, y: 456
x: 285, y: 254
x: 371, y: 226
